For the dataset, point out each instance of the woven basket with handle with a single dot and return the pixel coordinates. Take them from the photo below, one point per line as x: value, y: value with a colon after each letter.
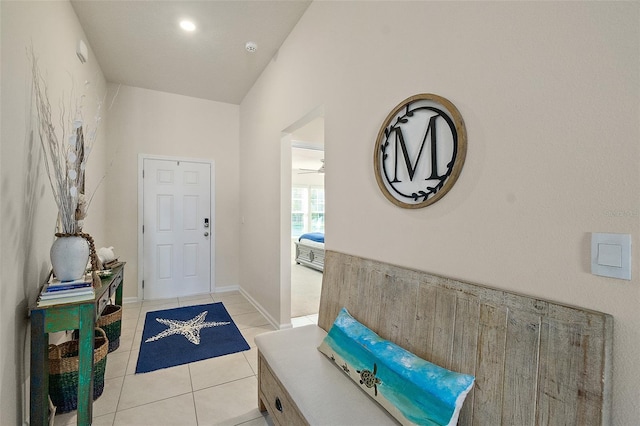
x: 63, y: 371
x: 111, y: 322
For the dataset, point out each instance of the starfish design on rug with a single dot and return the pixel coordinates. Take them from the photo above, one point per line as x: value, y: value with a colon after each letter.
x: 189, y: 329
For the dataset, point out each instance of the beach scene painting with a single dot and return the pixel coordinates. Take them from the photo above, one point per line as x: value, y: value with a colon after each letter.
x: 413, y: 390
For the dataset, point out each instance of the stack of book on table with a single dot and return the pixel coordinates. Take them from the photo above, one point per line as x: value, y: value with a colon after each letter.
x: 57, y: 292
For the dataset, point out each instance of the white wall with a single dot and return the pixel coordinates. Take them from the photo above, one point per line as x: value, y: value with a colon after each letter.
x: 28, y: 210
x: 149, y: 122
x: 550, y: 94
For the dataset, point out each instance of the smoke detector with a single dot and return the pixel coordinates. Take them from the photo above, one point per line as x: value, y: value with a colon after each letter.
x: 251, y: 46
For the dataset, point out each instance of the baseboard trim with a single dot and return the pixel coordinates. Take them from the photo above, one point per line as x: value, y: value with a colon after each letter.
x: 226, y: 289
x: 264, y: 312
x: 272, y: 321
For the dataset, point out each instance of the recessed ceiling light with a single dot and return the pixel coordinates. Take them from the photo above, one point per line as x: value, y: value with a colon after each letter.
x: 187, y: 25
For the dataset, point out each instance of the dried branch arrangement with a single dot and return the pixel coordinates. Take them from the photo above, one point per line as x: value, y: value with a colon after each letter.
x: 66, y: 150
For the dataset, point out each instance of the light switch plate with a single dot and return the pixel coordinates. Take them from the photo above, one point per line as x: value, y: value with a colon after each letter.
x: 611, y: 255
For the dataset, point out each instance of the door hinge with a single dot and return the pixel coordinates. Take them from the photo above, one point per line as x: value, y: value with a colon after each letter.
x: 143, y: 229
x: 142, y: 283
x: 142, y: 173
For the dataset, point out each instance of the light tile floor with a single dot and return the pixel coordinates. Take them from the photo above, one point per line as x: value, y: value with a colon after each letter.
x: 217, y: 391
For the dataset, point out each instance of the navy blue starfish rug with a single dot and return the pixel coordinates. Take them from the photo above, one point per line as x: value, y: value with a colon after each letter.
x: 183, y: 335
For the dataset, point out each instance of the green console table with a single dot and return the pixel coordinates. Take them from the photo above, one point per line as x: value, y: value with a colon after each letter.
x: 71, y: 316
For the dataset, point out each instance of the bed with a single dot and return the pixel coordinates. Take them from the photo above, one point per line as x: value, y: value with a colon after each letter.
x: 310, y: 250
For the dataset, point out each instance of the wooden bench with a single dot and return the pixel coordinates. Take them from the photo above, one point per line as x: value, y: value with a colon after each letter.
x: 536, y: 362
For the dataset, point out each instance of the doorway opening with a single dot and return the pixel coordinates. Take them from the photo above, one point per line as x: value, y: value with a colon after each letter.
x: 307, y: 229
x: 303, y: 214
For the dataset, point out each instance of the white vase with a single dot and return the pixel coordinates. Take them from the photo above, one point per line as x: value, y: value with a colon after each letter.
x: 69, y: 256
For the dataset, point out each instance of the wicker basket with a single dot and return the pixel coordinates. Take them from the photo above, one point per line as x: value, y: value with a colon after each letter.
x: 111, y: 322
x: 63, y: 371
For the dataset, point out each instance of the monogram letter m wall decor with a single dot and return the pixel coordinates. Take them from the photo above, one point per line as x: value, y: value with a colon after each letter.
x: 420, y: 151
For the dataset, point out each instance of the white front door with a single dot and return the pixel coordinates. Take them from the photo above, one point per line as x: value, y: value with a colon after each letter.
x: 177, y: 228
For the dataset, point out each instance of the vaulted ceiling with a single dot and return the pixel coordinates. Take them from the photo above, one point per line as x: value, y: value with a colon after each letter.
x: 140, y: 43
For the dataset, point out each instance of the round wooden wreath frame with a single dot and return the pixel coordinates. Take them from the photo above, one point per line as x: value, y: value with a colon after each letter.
x: 459, y: 159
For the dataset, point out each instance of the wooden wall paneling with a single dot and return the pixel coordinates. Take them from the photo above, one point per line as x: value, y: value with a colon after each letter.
x: 536, y: 362
x: 397, y: 307
x: 409, y: 310
x: 444, y: 327
x: 366, y: 304
x: 542, y: 412
x: 465, y: 342
x: 606, y: 369
x: 332, y: 283
x: 592, y: 346
x: 351, y: 287
x: 559, y: 373
x: 424, y: 321
x: 520, y: 368
x: 575, y: 357
x: 489, y: 365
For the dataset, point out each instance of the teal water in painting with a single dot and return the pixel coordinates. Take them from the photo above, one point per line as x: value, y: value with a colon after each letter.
x: 424, y: 393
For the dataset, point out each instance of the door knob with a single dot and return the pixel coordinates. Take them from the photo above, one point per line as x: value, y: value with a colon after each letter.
x: 206, y: 234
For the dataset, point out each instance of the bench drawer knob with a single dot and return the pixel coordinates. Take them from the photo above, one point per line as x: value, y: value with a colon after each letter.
x: 278, y: 404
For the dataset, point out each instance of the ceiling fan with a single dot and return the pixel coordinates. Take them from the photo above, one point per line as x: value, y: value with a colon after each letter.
x: 307, y: 171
